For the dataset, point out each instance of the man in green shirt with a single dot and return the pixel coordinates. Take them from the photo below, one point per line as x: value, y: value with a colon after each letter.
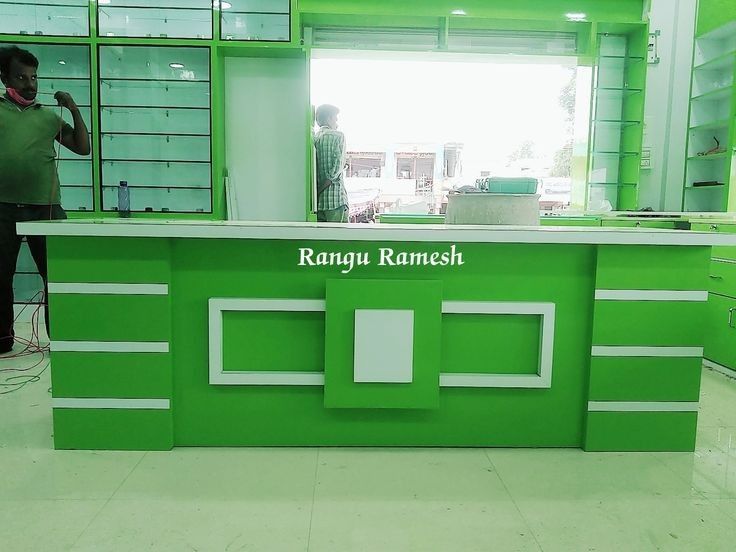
x: 29, y: 182
x: 332, y: 198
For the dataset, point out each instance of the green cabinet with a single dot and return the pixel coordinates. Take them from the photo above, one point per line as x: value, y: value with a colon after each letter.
x: 720, y: 341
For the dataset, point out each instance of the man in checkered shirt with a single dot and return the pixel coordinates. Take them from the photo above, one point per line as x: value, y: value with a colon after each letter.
x: 332, y: 199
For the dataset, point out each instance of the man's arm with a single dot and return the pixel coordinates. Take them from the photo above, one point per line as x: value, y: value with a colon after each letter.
x: 74, y: 138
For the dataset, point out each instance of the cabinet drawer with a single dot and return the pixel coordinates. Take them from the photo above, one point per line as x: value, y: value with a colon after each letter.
x: 722, y: 278
x: 720, y: 343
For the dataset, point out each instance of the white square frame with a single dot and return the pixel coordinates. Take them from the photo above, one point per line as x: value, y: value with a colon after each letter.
x: 218, y: 376
x: 542, y: 379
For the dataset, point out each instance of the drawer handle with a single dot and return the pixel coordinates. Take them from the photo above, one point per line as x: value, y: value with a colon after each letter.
x: 730, y: 317
x: 715, y: 277
x: 714, y: 227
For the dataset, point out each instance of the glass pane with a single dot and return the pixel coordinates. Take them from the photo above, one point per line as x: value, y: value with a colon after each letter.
x: 75, y: 172
x: 155, y: 94
x: 168, y: 19
x: 77, y: 199
x: 25, y: 260
x: 185, y: 175
x: 157, y: 64
x: 255, y: 26
x: 154, y: 120
x: 27, y: 288
x: 161, y: 200
x: 156, y: 148
x: 50, y: 17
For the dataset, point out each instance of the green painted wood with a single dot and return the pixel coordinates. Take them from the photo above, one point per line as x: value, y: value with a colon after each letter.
x: 641, y: 431
x: 649, y: 323
x: 111, y: 375
x: 256, y: 341
x: 424, y: 298
x: 411, y: 219
x: 103, y: 429
x: 645, y: 379
x: 112, y: 260
x: 722, y: 278
x: 652, y: 267
x: 111, y: 317
x: 490, y: 344
x: 570, y: 221
x: 719, y: 251
x: 720, y: 344
x: 623, y: 223
x: 713, y: 14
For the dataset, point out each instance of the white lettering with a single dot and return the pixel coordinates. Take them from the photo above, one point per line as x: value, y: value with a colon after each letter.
x: 433, y: 259
x: 305, y: 256
x: 456, y: 256
x: 385, y: 259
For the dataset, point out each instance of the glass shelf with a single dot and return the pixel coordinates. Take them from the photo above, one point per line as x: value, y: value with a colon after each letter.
x: 621, y: 90
x: 155, y: 199
x: 724, y: 61
x: 616, y: 122
x: 167, y: 19
x: 256, y: 20
x: 47, y: 18
x: 714, y: 156
x: 721, y: 93
x: 617, y: 153
x: 622, y: 56
x: 711, y: 126
x: 615, y: 184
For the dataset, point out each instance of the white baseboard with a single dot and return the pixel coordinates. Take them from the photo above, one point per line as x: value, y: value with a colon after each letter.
x: 720, y: 369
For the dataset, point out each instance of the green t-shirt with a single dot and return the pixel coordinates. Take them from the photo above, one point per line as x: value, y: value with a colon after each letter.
x: 27, y: 156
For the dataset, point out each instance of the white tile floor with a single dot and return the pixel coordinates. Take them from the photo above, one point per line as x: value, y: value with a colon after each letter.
x: 365, y: 499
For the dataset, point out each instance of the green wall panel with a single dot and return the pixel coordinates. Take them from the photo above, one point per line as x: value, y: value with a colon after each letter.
x: 641, y: 431
x: 115, y: 260
x: 649, y: 323
x: 111, y: 317
x: 720, y: 342
x: 424, y: 298
x: 645, y: 379
x: 554, y: 10
x: 652, y: 267
x: 103, y: 429
x: 274, y: 341
x: 490, y: 344
x: 111, y: 375
x: 713, y: 14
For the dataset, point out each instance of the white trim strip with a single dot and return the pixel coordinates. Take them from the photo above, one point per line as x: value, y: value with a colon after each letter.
x: 109, y: 289
x: 109, y: 347
x: 625, y: 351
x: 721, y: 260
x: 271, y: 378
x: 520, y: 381
x: 725, y: 370
x: 621, y: 406
x: 124, y: 404
x: 649, y: 295
x: 269, y: 305
x: 307, y: 231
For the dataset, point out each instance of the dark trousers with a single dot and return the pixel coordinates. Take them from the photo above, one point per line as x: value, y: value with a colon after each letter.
x: 10, y: 215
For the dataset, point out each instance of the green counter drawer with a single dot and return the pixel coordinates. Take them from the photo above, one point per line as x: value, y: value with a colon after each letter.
x: 722, y: 278
x: 719, y: 252
x: 720, y: 341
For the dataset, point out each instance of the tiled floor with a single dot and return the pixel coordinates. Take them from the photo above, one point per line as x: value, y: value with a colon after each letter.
x: 366, y: 499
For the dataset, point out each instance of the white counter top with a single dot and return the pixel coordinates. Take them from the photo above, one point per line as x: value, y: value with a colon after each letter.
x: 372, y: 232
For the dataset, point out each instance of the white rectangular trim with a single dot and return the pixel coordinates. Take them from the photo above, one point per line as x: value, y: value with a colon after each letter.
x: 307, y: 231
x: 542, y: 379
x: 649, y: 295
x: 109, y: 289
x: 721, y: 260
x: 110, y: 346
x: 626, y: 351
x: 624, y: 406
x: 218, y: 376
x: 123, y: 404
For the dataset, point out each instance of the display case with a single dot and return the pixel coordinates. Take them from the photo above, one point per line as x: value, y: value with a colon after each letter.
x: 712, y: 122
x: 48, y: 18
x: 616, y: 123
x: 155, y: 128
x: 160, y: 19
x: 256, y: 20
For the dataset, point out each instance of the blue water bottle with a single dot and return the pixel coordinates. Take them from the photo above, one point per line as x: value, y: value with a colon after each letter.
x: 123, y: 199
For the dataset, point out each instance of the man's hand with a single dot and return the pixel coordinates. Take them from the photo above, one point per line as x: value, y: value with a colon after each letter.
x: 64, y: 99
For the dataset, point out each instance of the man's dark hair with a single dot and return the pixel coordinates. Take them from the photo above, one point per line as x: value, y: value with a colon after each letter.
x: 325, y: 112
x: 10, y: 53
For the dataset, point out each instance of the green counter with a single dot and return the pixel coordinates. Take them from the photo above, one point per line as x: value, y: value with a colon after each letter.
x: 277, y: 334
